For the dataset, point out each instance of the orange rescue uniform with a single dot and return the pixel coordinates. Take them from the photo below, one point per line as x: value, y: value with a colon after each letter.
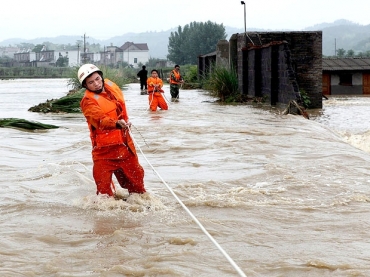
x: 155, y: 97
x: 177, y: 79
x: 113, y: 151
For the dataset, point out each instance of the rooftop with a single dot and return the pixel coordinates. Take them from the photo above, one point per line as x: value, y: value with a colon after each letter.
x: 336, y: 64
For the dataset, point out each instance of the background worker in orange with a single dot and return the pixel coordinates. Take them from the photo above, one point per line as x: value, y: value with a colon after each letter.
x: 155, y: 92
x: 175, y: 81
x: 113, y: 151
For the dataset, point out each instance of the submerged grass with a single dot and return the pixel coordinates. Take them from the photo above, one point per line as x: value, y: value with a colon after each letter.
x: 222, y: 82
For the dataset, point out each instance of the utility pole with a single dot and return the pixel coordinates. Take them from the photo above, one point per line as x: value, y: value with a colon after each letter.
x: 84, y: 58
x: 78, y: 54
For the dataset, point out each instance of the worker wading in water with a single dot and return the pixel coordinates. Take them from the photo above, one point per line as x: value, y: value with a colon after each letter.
x: 155, y: 92
x: 175, y: 81
x: 113, y: 151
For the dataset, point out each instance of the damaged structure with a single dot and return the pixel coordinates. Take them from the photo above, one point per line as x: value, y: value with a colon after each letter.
x: 276, y: 65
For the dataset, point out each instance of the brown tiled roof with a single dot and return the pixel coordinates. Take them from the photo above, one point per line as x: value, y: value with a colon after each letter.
x: 337, y: 64
x: 140, y: 46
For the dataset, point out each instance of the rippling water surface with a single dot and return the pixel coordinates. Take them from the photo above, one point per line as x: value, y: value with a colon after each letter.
x: 281, y: 195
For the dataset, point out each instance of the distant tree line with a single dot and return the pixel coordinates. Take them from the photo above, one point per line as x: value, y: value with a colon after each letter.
x: 194, y: 39
x: 342, y: 53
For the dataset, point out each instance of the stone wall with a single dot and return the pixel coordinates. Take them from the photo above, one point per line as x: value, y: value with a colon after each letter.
x: 275, y: 65
x: 279, y: 64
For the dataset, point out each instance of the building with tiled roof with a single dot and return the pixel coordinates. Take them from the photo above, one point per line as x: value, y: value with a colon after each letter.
x: 349, y: 76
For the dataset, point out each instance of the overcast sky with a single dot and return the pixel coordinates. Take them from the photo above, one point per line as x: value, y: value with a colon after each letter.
x: 105, y: 19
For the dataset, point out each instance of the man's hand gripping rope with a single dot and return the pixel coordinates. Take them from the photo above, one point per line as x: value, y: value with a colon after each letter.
x: 121, y: 124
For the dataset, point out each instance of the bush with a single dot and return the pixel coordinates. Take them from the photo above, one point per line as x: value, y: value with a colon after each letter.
x: 222, y: 82
x: 191, y: 74
x: 305, y: 98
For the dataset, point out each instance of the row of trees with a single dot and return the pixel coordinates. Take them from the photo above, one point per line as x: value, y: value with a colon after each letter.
x: 341, y: 53
x: 196, y: 38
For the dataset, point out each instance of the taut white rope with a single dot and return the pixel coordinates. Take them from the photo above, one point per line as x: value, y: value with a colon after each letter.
x: 241, y: 273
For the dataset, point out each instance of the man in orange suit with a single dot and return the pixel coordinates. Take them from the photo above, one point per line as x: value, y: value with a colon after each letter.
x: 113, y: 150
x: 155, y: 92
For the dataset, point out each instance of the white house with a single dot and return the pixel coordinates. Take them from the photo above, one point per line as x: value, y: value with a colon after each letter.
x: 135, y: 53
x: 132, y: 53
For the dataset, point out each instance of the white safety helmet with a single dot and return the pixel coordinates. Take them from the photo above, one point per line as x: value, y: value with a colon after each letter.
x: 86, y: 70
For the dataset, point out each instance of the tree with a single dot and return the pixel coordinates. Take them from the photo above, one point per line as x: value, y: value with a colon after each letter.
x: 26, y: 46
x: 62, y: 61
x: 196, y: 38
x: 350, y: 53
x: 341, y: 52
x: 38, y: 48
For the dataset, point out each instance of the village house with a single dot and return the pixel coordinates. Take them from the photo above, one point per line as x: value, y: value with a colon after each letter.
x: 135, y: 53
x: 131, y: 53
x: 349, y: 76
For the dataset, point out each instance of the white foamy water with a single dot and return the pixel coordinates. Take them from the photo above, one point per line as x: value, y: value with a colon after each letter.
x: 282, y: 195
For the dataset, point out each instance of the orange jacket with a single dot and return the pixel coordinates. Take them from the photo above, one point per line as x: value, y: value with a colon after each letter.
x: 102, y: 111
x: 151, y: 82
x: 175, y: 77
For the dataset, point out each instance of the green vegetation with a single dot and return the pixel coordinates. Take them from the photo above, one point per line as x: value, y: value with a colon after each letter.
x: 67, y: 104
x: 24, y: 124
x: 222, y: 82
x: 305, y: 98
x: 196, y: 38
x: 342, y: 53
x: 191, y: 74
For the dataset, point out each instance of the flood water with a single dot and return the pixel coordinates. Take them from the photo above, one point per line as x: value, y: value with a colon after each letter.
x: 279, y: 194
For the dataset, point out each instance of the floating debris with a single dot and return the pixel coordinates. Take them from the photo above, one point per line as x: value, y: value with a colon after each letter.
x: 24, y: 124
x: 295, y: 109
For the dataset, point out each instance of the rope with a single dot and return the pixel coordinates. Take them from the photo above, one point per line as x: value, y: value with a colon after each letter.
x: 148, y: 106
x: 241, y: 273
x: 165, y: 98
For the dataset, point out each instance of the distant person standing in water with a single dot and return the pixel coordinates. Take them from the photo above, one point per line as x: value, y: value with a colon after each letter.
x: 155, y: 92
x: 143, y: 75
x: 175, y: 81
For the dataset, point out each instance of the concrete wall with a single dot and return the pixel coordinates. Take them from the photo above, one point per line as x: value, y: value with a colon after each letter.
x: 276, y: 65
x: 222, y: 52
x: 294, y: 57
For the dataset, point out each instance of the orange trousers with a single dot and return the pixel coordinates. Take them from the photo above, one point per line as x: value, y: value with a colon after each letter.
x: 156, y: 100
x: 128, y: 171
